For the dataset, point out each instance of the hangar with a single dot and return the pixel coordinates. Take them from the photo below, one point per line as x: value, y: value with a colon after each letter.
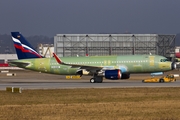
x: 106, y: 44
x: 114, y: 44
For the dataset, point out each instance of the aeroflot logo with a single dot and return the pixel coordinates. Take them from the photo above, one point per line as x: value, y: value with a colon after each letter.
x: 18, y: 36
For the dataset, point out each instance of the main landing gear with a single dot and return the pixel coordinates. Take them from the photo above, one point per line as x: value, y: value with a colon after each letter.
x: 96, y: 79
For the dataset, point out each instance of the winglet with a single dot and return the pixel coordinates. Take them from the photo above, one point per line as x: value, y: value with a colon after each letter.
x: 57, y: 58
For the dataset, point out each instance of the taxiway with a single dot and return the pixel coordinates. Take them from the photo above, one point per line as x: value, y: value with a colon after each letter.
x: 35, y: 80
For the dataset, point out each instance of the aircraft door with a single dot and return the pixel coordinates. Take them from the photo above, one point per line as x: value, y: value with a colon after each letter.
x: 151, y: 60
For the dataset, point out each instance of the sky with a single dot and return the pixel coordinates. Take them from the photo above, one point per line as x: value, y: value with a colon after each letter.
x: 51, y: 17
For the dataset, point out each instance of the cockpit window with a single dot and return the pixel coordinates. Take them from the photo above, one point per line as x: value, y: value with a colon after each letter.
x: 164, y: 60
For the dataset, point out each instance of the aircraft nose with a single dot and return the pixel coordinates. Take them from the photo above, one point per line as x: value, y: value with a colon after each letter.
x: 173, y: 65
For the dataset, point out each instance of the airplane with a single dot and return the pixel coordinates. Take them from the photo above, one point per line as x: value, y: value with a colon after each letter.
x: 109, y: 67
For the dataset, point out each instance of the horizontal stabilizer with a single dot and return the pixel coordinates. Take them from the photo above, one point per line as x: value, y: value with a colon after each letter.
x: 18, y: 64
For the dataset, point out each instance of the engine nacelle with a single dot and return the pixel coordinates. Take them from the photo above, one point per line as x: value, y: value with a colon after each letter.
x: 112, y: 74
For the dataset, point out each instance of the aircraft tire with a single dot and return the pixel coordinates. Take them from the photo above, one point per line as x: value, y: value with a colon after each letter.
x: 161, y: 80
x: 92, y: 80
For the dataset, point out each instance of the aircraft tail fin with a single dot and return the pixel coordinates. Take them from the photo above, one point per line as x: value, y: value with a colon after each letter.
x: 23, y: 48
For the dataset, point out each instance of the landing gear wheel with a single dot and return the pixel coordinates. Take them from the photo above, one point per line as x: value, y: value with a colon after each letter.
x: 92, y: 80
x: 96, y: 79
x: 161, y: 80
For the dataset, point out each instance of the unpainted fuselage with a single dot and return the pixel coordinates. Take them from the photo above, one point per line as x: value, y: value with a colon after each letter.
x: 126, y: 63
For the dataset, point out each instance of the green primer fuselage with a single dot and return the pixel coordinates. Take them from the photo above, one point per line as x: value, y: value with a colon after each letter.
x: 126, y: 63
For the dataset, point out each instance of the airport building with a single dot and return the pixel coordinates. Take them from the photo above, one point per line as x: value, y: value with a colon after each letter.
x: 46, y: 50
x: 113, y: 44
x: 105, y: 44
x: 4, y: 58
x: 177, y: 49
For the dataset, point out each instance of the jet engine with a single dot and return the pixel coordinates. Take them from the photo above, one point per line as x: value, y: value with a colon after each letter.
x: 112, y: 74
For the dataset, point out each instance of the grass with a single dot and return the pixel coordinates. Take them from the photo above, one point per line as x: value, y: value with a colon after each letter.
x: 92, y: 104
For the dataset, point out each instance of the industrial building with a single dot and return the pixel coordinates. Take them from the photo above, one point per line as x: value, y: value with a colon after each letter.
x: 105, y: 44
x: 46, y: 50
x: 113, y: 44
x: 4, y: 58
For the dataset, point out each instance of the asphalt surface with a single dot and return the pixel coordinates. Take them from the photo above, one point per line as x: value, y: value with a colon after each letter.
x: 34, y: 80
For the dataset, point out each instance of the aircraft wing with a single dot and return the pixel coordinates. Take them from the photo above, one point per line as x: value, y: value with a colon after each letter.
x: 87, y: 67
